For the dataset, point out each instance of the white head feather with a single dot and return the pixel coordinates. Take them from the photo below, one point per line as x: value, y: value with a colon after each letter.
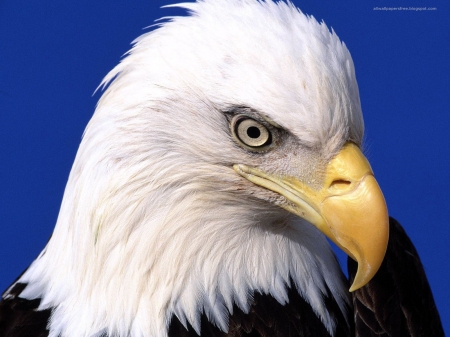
x: 154, y: 220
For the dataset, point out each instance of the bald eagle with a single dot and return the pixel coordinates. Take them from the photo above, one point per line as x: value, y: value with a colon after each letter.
x: 224, y: 151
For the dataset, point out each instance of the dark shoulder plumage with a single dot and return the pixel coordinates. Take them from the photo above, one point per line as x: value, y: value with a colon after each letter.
x: 398, y: 300
x: 19, y: 317
x: 268, y: 318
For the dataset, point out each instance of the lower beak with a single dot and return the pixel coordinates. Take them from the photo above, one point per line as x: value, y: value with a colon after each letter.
x: 349, y: 208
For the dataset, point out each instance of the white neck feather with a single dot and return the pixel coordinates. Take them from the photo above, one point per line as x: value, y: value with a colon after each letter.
x: 181, y: 252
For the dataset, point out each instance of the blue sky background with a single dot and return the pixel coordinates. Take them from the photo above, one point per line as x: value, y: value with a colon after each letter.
x: 53, y: 54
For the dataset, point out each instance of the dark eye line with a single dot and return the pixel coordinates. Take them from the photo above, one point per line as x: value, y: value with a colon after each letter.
x: 279, y: 134
x: 246, y: 111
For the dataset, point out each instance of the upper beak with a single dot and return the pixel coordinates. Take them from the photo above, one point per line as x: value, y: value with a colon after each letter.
x: 349, y: 208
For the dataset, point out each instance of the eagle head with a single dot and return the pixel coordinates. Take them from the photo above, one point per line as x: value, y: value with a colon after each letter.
x: 224, y: 151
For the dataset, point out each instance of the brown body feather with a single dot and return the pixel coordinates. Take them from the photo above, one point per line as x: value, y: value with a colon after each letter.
x: 20, y: 318
x: 268, y: 318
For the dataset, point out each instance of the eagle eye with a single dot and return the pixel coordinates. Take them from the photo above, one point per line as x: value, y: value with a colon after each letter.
x: 251, y: 133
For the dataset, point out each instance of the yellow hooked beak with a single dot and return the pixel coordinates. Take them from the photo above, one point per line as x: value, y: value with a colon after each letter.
x: 350, y: 208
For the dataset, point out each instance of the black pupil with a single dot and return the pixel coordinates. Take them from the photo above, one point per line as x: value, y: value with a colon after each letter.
x: 253, y: 132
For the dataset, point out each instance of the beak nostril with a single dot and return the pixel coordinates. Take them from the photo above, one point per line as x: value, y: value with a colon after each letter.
x: 340, y: 185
